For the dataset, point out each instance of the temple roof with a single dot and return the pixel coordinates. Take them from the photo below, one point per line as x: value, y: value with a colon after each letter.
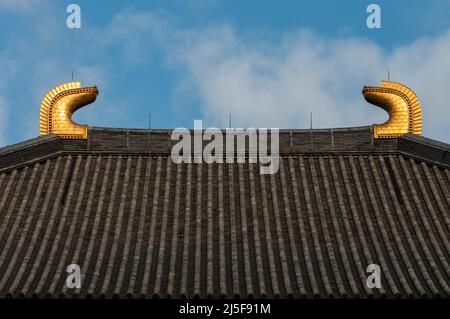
x: 140, y: 225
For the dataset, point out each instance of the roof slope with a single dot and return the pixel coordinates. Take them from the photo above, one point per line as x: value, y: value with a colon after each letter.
x: 140, y: 225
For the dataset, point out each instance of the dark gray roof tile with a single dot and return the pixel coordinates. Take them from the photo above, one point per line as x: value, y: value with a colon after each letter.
x: 140, y: 225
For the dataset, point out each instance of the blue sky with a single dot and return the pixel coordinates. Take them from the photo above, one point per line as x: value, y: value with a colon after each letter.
x: 269, y: 63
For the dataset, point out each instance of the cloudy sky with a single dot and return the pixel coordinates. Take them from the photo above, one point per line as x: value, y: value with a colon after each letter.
x: 269, y: 63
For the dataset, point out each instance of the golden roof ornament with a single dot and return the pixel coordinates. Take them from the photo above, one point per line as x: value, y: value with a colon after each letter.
x: 58, y: 106
x: 403, y: 106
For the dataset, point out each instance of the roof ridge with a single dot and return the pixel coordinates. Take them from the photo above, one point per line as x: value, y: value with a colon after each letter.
x: 424, y: 148
x: 291, y: 142
x: 28, y: 143
x: 427, y: 141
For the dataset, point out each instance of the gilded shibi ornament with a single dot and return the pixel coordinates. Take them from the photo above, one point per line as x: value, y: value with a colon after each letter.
x: 403, y: 106
x: 58, y: 106
x: 401, y: 103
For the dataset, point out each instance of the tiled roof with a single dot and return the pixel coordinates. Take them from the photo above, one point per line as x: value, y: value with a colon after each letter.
x: 140, y: 225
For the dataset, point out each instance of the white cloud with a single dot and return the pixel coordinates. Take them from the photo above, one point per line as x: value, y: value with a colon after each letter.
x: 278, y: 83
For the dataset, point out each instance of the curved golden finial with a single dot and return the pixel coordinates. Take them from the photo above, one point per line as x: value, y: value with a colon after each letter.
x: 58, y: 106
x: 403, y: 106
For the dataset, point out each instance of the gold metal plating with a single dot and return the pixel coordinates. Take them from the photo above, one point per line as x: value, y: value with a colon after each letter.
x: 58, y: 106
x: 402, y: 105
